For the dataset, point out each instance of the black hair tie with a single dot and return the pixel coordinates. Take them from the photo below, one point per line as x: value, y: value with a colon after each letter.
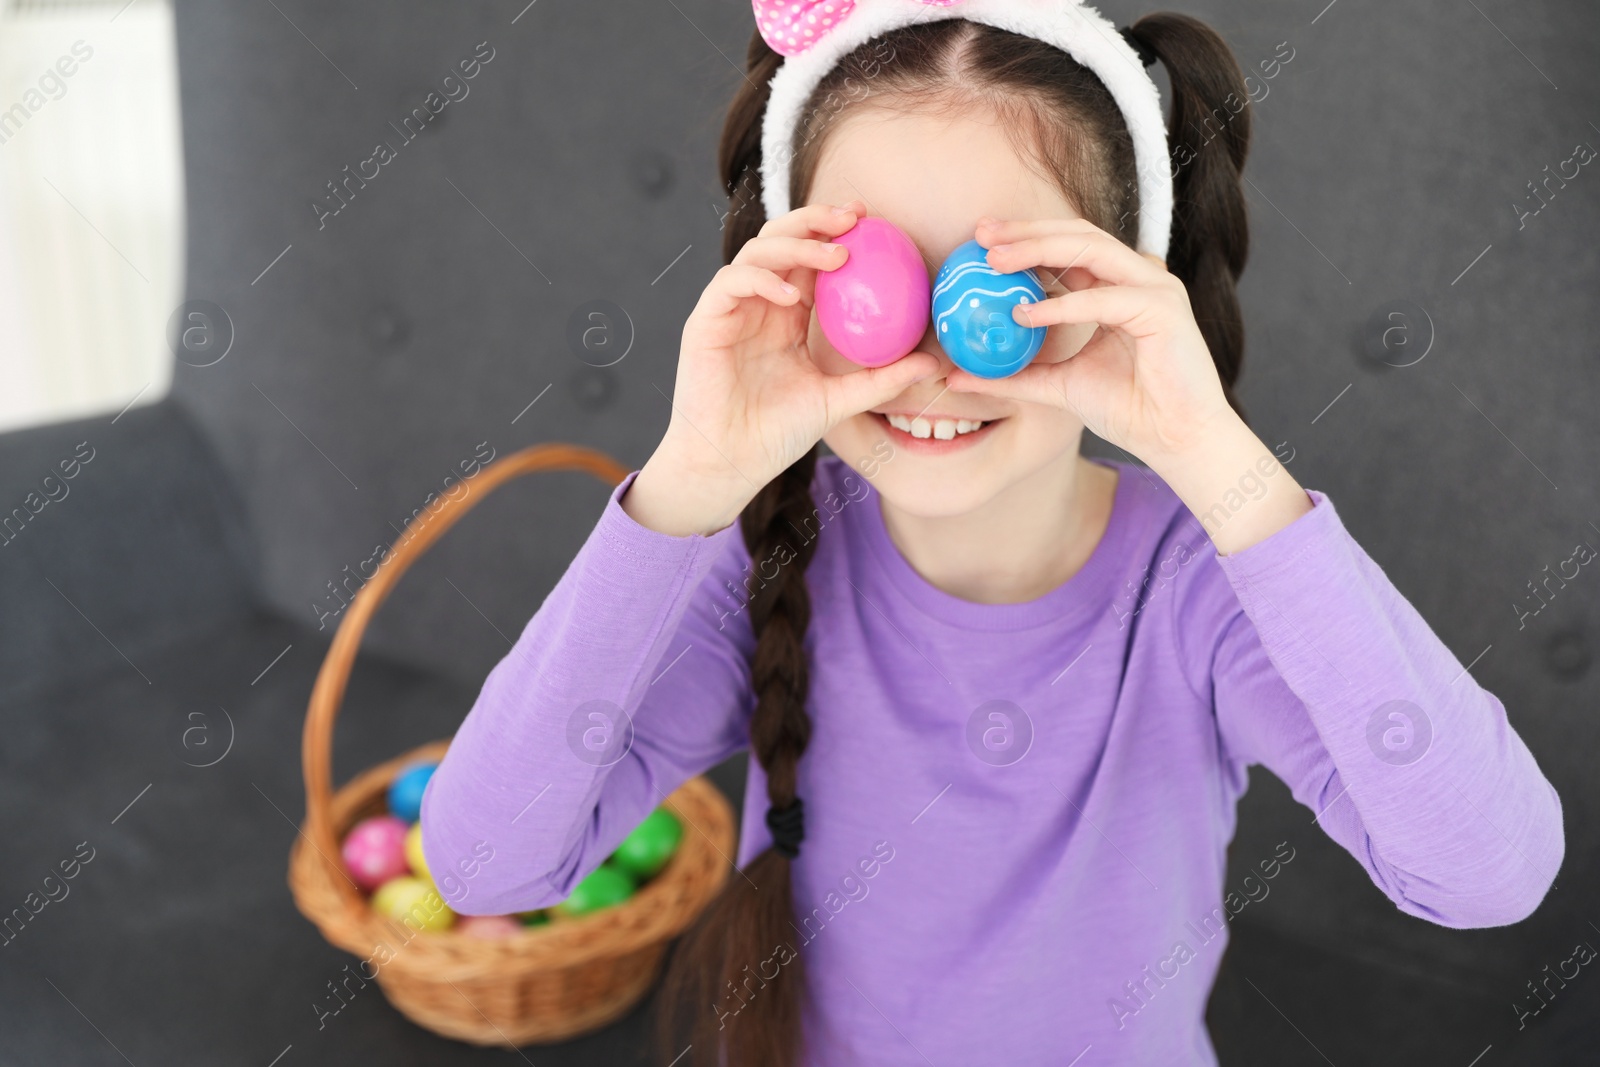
x: 788, y: 828
x: 1146, y: 54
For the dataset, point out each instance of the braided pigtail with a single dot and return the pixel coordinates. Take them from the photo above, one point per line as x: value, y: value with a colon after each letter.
x: 735, y: 984
x: 1209, y: 137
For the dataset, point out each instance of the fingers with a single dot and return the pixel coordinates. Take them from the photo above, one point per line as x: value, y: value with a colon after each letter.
x: 1139, y: 311
x: 788, y: 243
x: 740, y: 281
x: 829, y: 220
x: 785, y: 253
x: 1037, y: 383
x: 1056, y: 244
x: 859, y: 390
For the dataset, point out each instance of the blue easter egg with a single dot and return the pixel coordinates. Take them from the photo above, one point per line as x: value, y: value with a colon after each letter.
x: 972, y: 305
x: 405, y: 792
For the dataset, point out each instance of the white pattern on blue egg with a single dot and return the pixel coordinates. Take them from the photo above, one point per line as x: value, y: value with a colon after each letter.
x: 972, y: 305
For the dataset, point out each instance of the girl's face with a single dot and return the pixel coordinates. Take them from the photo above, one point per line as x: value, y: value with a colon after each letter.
x: 934, y: 176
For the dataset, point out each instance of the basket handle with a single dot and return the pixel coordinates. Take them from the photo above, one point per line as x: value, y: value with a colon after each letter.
x: 328, y: 692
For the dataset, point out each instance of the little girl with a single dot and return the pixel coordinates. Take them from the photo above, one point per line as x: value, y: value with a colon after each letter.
x: 1000, y: 698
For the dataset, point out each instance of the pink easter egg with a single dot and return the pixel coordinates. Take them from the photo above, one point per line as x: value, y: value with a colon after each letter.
x: 488, y: 926
x: 375, y: 851
x: 875, y: 308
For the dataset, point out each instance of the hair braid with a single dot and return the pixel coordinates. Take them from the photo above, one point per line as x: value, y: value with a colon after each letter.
x: 1209, y: 142
x: 779, y: 614
x: 715, y: 995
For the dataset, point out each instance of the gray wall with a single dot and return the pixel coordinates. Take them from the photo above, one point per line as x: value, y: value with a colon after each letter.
x: 1389, y: 153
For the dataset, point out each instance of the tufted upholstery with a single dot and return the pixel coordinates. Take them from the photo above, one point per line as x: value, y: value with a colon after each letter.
x: 378, y: 347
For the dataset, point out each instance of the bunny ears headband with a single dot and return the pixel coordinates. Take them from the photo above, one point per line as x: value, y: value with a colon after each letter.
x: 813, y: 35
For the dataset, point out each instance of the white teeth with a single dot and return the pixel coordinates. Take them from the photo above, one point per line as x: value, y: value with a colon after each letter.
x: 940, y: 429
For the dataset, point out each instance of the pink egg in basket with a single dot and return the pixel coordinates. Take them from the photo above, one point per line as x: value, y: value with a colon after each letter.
x: 488, y: 927
x: 875, y: 308
x: 375, y: 851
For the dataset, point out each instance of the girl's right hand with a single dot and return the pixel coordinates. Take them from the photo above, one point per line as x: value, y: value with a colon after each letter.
x: 749, y: 399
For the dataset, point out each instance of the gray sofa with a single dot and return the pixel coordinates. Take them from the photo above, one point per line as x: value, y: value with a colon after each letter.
x: 164, y: 620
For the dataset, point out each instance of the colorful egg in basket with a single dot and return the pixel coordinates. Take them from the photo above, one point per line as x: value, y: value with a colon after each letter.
x: 545, y: 983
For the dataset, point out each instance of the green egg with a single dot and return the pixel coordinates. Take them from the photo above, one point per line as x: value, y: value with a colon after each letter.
x: 606, y: 886
x: 645, y: 851
x: 533, y: 918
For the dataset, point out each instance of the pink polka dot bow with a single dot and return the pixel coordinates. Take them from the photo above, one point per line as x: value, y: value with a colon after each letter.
x: 791, y: 26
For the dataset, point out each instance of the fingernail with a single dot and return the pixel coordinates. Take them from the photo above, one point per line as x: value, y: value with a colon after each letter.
x: 1027, y: 316
x: 841, y: 211
x: 999, y: 248
x: 786, y: 287
x: 833, y: 247
x: 987, y: 220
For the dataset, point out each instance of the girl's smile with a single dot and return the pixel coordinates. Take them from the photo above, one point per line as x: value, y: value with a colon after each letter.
x: 933, y: 433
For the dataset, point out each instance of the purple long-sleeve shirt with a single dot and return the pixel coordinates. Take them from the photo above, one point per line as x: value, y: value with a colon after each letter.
x: 1016, y: 814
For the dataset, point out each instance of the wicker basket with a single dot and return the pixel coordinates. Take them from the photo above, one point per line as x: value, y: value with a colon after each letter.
x: 549, y: 982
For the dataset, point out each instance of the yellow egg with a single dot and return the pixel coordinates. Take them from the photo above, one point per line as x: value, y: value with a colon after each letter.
x: 413, y: 902
x: 414, y: 856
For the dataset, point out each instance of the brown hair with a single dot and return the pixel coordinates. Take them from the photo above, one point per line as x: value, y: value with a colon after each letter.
x: 717, y: 997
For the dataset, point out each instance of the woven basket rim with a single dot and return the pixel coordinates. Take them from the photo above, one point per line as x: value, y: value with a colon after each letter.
x: 324, y: 894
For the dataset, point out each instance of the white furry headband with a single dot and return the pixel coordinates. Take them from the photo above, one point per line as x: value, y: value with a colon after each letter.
x: 814, y: 35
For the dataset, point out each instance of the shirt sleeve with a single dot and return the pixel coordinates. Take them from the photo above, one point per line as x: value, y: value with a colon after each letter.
x: 1319, y: 669
x: 632, y: 677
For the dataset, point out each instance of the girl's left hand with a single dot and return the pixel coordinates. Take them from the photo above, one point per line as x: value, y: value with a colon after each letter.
x: 1145, y: 380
